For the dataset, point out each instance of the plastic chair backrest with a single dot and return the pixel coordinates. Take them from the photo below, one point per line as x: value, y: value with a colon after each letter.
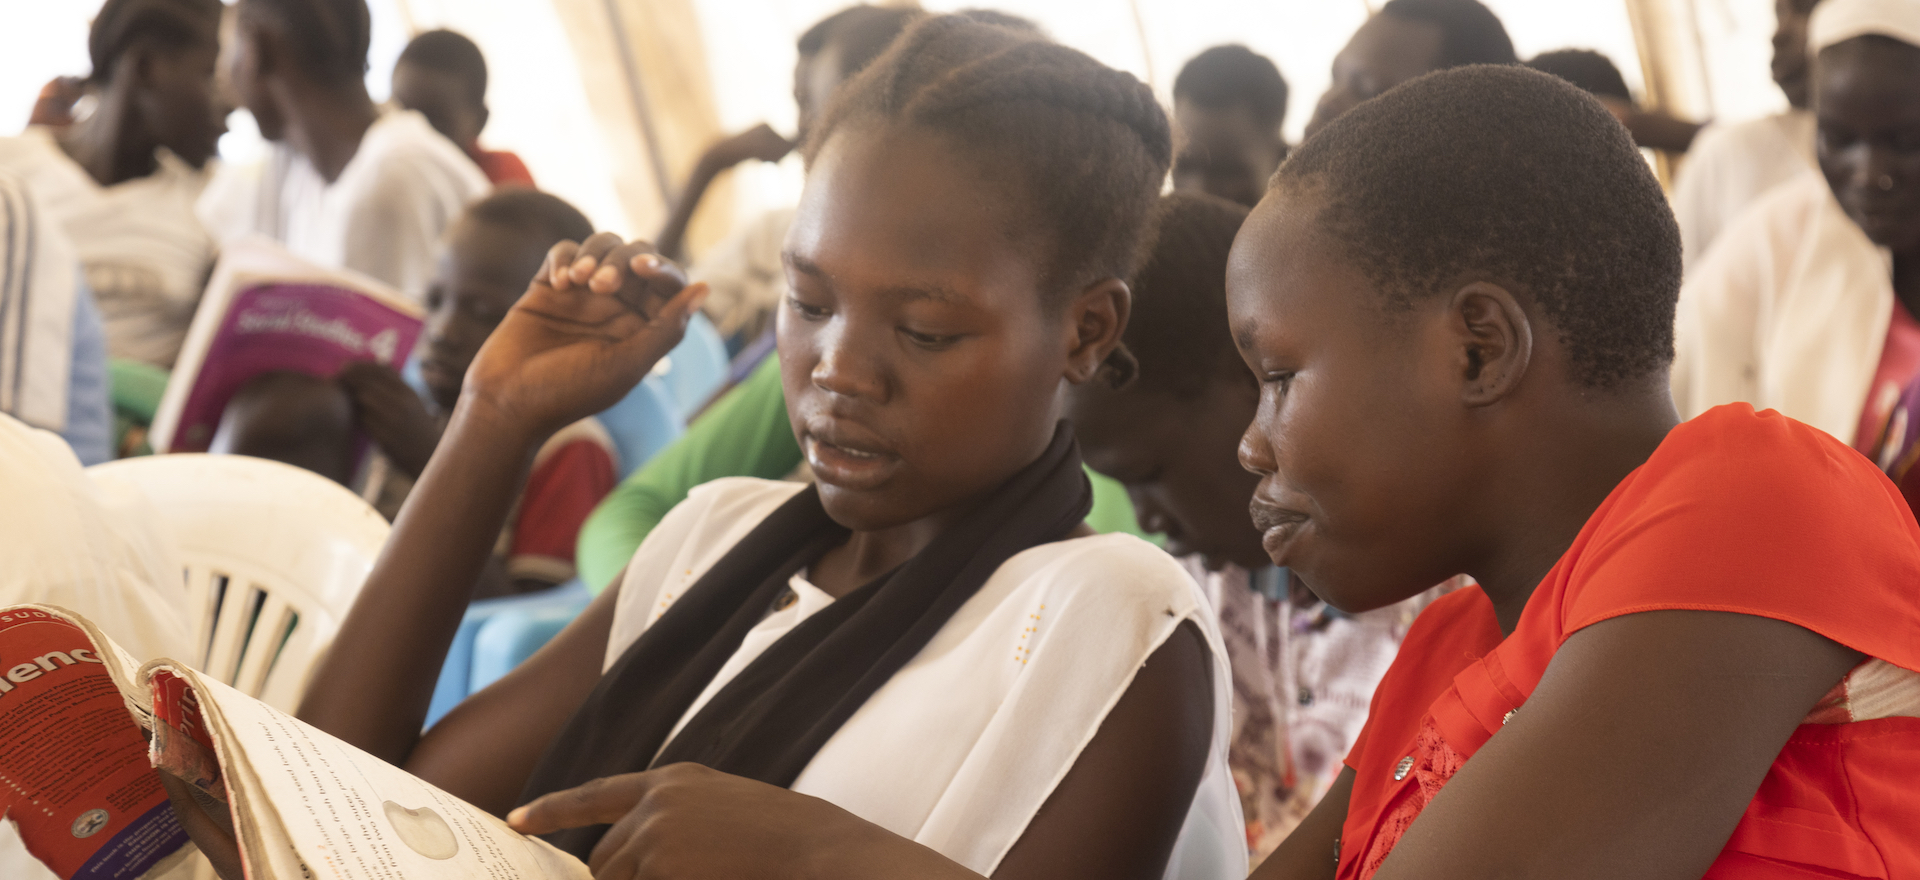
x: 642, y: 424
x: 274, y: 556
x: 696, y: 368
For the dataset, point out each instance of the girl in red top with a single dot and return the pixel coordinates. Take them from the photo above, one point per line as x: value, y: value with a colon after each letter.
x: 1693, y: 650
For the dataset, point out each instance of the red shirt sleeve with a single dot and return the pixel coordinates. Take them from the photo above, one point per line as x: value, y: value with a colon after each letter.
x: 564, y: 488
x: 1755, y: 513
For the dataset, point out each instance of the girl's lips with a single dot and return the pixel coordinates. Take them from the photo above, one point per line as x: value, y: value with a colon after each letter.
x: 1277, y: 539
x: 847, y: 468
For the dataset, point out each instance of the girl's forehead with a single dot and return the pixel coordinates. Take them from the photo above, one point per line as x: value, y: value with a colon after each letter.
x: 893, y: 207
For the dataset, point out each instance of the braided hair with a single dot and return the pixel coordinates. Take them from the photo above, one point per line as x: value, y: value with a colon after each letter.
x: 329, y: 36
x: 1081, y: 149
x: 172, y: 24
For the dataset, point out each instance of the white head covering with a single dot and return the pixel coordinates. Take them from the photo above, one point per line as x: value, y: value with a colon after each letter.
x: 1836, y: 21
x: 38, y: 283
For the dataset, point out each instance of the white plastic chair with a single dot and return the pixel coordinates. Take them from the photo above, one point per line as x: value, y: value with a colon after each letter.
x: 274, y: 556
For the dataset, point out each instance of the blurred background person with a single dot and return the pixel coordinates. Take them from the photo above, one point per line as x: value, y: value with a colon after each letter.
x: 443, y: 75
x: 122, y: 181
x: 1228, y: 103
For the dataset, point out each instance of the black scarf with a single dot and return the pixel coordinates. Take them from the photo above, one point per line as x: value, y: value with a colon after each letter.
x: 768, y: 722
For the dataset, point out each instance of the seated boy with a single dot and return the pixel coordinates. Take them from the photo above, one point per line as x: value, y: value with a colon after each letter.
x: 443, y: 75
x: 1303, y: 672
x: 494, y: 246
x: 1228, y: 102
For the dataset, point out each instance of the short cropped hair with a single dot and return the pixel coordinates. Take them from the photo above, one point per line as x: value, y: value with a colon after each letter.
x: 1235, y: 76
x: 538, y: 214
x: 1178, y: 331
x: 1511, y: 176
x: 452, y: 53
x: 1591, y: 71
x: 1469, y: 32
x: 330, y: 37
x: 861, y: 32
x: 174, y: 24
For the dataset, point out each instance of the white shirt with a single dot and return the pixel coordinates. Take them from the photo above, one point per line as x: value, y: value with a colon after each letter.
x: 963, y: 745
x: 383, y: 216
x: 144, y: 252
x: 1732, y: 164
x: 1788, y: 311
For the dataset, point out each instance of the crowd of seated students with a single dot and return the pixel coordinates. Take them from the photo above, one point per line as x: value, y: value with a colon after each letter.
x: 1456, y: 433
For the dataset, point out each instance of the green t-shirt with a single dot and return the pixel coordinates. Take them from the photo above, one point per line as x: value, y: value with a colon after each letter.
x: 743, y: 434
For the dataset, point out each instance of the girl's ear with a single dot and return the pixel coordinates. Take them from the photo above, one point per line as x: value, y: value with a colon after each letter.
x: 1494, y: 342
x: 1094, y: 321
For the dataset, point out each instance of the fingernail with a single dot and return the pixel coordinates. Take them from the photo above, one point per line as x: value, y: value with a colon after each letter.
x: 606, y: 275
x: 646, y: 262
x: 584, y: 264
x: 518, y: 815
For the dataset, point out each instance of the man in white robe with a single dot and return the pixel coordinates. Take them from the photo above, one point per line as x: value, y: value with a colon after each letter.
x: 1732, y: 164
x: 1797, y: 307
x: 346, y: 185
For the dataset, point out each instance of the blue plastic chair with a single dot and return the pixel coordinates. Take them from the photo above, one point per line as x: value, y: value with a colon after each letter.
x: 696, y: 368
x: 643, y: 423
x: 498, y: 634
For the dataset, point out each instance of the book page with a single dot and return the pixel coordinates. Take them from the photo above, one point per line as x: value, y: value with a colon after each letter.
x: 74, y: 774
x: 304, y: 801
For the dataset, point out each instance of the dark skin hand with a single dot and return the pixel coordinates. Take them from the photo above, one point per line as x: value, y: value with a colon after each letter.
x: 54, y: 106
x: 1653, y: 129
x: 689, y: 821
x: 571, y: 346
x: 759, y: 142
x: 392, y: 414
x: 814, y: 79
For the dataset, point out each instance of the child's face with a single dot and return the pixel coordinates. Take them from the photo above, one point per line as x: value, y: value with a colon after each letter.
x: 1869, y: 136
x: 1177, y: 456
x: 1223, y: 152
x: 920, y: 368
x: 483, y: 270
x: 1383, y: 53
x: 1359, y: 439
x: 443, y: 99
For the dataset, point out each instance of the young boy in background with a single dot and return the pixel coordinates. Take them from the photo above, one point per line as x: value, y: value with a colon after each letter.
x: 491, y: 250
x: 443, y: 75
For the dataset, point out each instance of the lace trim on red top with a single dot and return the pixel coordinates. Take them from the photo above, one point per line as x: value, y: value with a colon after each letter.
x: 1434, y: 762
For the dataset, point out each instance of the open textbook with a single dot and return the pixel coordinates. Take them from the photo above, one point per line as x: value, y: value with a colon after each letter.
x: 82, y: 725
x: 265, y: 310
